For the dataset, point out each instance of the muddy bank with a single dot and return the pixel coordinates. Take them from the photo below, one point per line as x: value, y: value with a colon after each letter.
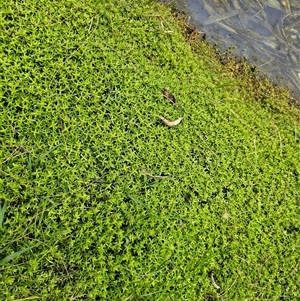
x: 267, y: 33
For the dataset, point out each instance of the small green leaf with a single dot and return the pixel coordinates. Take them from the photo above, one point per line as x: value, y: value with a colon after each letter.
x: 29, y: 298
x: 2, y: 212
x: 29, y: 161
x: 15, y: 255
x: 150, y: 2
x: 139, y: 202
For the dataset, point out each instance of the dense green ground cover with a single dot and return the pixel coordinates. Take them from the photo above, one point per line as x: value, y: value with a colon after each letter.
x: 107, y: 203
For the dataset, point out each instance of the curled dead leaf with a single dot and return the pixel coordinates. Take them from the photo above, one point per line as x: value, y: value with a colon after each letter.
x: 213, y: 282
x: 169, y: 96
x: 170, y: 123
x: 225, y: 215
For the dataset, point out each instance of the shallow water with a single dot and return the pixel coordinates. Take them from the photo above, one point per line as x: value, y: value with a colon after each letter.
x: 267, y: 32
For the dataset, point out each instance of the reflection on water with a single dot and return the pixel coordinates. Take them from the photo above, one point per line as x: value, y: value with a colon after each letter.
x: 265, y: 31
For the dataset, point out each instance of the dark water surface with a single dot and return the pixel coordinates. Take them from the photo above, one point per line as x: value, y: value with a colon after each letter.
x: 267, y: 32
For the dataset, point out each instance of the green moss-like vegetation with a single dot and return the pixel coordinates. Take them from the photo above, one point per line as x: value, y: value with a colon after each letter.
x: 101, y: 201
